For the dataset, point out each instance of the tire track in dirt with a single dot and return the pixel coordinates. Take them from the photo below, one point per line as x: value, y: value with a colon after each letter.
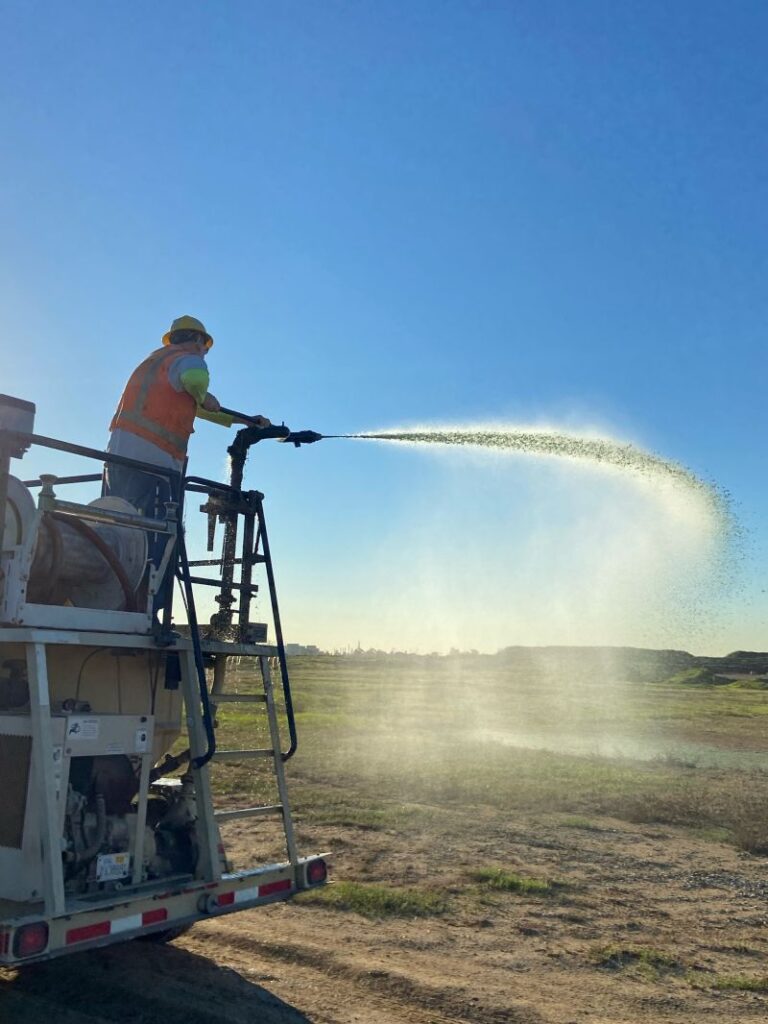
x: 400, y: 991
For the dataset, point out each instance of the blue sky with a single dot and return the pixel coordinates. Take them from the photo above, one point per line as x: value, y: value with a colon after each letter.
x: 389, y: 214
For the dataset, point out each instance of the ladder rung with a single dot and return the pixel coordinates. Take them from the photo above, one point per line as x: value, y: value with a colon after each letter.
x: 241, y: 755
x: 210, y: 561
x: 248, y: 812
x: 205, y: 581
x: 238, y: 698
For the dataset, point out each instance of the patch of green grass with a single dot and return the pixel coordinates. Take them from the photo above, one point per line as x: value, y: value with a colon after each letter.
x: 749, y: 684
x: 694, y: 676
x: 575, y: 821
x: 711, y: 833
x: 738, y: 947
x: 375, y: 818
x: 331, y: 805
x: 324, y: 719
x: 646, y: 961
x: 739, y: 983
x: 511, y: 881
x: 347, y: 813
x: 378, y: 901
x: 673, y: 760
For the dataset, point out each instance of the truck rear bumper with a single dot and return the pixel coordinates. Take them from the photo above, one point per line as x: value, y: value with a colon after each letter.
x: 31, y: 938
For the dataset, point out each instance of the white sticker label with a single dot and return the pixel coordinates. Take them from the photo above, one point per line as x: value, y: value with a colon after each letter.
x: 142, y: 741
x: 112, y: 866
x: 114, y: 748
x: 83, y: 729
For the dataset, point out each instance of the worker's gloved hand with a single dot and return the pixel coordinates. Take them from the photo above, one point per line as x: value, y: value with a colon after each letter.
x: 253, y: 421
x: 211, y: 403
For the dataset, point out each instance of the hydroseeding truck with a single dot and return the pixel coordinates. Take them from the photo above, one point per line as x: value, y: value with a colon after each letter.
x: 108, y: 828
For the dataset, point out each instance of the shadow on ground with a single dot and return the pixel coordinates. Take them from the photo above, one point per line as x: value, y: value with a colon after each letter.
x: 141, y: 983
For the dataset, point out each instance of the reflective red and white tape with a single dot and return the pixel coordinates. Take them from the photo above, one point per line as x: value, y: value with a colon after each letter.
x: 131, y: 923
x: 254, y: 892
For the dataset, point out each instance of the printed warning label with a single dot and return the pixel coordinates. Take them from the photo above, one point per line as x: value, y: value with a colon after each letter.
x: 112, y: 866
x: 83, y: 729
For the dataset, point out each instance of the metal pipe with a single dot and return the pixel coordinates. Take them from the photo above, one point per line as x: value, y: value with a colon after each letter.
x: 94, y: 453
x: 246, y: 576
x: 226, y: 598
x: 86, y: 478
x: 109, y: 516
x: 5, y: 468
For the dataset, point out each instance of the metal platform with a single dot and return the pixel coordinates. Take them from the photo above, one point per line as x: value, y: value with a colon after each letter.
x: 147, y: 642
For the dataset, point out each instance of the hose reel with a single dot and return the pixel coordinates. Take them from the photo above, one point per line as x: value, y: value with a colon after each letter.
x: 85, y: 564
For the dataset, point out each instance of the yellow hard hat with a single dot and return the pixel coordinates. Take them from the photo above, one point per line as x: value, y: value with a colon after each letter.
x: 187, y: 323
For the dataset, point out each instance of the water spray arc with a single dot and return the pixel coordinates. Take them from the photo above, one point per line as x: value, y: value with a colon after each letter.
x: 703, y: 506
x: 537, y: 441
x: 599, y: 451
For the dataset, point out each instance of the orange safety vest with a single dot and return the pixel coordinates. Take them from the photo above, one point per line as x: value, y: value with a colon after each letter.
x: 152, y: 408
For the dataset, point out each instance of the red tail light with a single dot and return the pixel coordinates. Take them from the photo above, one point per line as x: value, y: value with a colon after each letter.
x: 30, y: 939
x: 317, y: 871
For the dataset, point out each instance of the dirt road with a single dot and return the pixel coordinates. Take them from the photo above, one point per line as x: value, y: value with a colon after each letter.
x: 649, y: 924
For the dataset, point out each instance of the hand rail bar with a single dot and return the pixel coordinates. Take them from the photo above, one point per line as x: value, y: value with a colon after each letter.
x: 94, y: 453
x: 87, y: 478
x: 287, y: 696
x: 208, y: 485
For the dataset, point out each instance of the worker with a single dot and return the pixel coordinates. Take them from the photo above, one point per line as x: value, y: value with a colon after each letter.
x: 155, y: 419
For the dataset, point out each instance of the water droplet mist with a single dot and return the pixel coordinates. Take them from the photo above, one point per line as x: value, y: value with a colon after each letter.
x: 529, y: 535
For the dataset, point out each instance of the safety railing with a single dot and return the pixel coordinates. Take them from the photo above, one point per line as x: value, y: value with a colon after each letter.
x: 227, y: 501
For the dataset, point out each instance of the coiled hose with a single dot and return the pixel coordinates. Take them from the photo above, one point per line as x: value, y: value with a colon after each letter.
x: 106, y: 553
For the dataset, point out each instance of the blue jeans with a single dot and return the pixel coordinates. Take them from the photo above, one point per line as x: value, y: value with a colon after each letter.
x: 148, y: 494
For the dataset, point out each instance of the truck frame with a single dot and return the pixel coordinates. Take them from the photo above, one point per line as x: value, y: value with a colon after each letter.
x: 108, y: 827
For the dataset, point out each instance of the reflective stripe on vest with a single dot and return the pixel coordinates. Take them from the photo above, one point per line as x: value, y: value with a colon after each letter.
x: 148, y: 382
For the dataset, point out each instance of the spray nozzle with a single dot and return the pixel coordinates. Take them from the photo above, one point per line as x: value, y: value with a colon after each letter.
x: 300, y: 437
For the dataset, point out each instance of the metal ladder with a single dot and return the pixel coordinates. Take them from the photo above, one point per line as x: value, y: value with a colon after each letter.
x: 201, y: 701
x: 208, y: 814
x: 273, y: 752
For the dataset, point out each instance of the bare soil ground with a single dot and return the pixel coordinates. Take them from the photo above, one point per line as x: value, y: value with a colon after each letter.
x: 646, y: 921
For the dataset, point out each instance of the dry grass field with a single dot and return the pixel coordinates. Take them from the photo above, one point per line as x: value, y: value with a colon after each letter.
x: 507, y: 847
